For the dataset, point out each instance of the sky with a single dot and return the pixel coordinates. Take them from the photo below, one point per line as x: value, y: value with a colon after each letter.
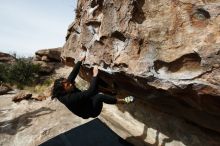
x: 30, y: 25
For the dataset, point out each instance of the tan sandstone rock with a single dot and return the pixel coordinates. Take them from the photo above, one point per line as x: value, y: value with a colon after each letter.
x: 4, y: 88
x: 48, y: 55
x: 21, y: 96
x: 48, y: 59
x: 164, y: 52
x: 6, y: 58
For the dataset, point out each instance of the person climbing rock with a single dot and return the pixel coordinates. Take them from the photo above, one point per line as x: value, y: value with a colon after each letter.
x: 87, y: 103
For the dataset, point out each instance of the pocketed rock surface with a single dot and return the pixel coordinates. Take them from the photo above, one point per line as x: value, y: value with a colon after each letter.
x: 164, y: 52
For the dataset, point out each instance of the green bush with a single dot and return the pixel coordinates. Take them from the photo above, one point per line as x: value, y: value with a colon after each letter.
x: 4, y: 72
x: 22, y: 72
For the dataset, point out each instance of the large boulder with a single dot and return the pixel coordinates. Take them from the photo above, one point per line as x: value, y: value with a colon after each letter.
x: 48, y: 59
x: 164, y: 52
x: 48, y: 55
x: 6, y: 58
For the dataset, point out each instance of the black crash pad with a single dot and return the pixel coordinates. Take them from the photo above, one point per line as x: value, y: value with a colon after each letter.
x: 93, y: 133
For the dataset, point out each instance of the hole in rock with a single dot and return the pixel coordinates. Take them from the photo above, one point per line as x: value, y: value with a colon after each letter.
x: 188, y: 62
x: 120, y: 65
x: 95, y: 24
x: 201, y: 14
x: 119, y: 36
x: 138, y: 13
x: 97, y: 2
x: 104, y: 64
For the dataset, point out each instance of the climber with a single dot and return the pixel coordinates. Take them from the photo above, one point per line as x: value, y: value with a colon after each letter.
x: 86, y: 103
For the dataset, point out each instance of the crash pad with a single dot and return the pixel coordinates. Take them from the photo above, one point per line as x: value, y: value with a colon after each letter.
x: 93, y: 133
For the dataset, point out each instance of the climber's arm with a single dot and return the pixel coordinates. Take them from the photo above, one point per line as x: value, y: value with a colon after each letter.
x: 74, y: 72
x: 92, y: 90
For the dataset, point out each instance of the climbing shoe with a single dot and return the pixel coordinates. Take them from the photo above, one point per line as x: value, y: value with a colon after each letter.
x: 129, y: 99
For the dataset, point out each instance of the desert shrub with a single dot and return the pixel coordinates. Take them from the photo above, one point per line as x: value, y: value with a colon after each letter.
x: 4, y: 72
x: 22, y: 72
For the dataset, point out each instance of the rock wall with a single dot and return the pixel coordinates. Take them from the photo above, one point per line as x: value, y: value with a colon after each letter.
x: 164, y: 52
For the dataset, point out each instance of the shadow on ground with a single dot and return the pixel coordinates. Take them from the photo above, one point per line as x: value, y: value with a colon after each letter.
x: 11, y: 127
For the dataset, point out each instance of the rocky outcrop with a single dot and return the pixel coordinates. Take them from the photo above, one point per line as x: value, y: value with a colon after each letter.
x: 165, y: 53
x: 4, y: 89
x: 24, y: 95
x: 48, y: 59
x: 48, y: 55
x: 6, y: 58
x: 21, y: 96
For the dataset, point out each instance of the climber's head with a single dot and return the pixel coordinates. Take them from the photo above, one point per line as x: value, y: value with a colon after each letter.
x: 61, y: 87
x: 68, y: 86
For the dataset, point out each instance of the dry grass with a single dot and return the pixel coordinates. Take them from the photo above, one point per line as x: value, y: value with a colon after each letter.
x: 41, y: 88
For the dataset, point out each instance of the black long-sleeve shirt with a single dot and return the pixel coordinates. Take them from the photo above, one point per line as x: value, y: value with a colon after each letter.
x: 79, y: 102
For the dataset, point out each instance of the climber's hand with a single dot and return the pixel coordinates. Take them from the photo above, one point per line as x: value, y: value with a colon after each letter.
x: 83, y: 58
x: 95, y: 71
x: 62, y: 59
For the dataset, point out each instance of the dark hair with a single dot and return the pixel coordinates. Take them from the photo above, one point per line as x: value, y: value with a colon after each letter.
x: 58, y: 90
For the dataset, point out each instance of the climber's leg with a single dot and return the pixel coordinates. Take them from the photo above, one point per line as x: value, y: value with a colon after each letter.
x: 97, y: 102
x: 112, y: 100
x: 105, y: 98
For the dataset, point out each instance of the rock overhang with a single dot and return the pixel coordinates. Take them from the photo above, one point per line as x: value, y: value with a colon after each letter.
x: 166, y: 53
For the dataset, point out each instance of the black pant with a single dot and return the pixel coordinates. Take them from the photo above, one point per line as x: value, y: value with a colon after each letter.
x: 97, y: 103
